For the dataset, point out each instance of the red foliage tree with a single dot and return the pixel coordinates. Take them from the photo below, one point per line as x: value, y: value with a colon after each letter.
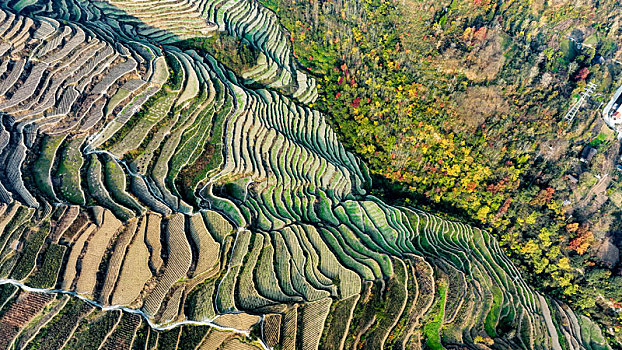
x: 582, y: 242
x: 356, y: 102
x: 582, y: 74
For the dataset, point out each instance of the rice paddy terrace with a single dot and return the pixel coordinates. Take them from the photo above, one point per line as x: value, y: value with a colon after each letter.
x: 154, y: 198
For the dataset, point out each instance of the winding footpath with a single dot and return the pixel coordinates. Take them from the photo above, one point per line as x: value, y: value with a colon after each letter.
x: 130, y: 310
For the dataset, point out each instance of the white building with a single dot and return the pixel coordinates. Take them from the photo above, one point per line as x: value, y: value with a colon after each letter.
x: 612, y: 114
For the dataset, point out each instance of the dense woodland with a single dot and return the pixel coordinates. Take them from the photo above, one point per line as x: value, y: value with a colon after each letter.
x: 458, y: 106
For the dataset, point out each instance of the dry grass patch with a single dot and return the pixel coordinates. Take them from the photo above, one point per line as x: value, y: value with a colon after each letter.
x: 475, y: 106
x: 208, y: 249
x: 114, y: 266
x: 135, y: 270
x: 68, y: 217
x: 241, y: 321
x: 272, y: 329
x: 96, y: 247
x: 76, y: 250
x: 214, y: 339
x: 237, y: 344
x: 153, y: 240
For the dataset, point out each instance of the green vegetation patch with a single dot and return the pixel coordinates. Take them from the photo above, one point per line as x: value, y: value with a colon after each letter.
x: 6, y: 291
x: 168, y: 339
x: 238, y: 55
x: 141, y: 338
x: 92, y: 332
x: 151, y: 112
x: 56, y: 332
x: 176, y: 72
x: 599, y: 140
x: 68, y: 173
x: 336, y: 322
x: 191, y: 336
x: 385, y: 319
x: 42, y: 167
x: 432, y: 328
x: 34, y: 241
x: 46, y: 276
x: 115, y: 181
x: 492, y: 317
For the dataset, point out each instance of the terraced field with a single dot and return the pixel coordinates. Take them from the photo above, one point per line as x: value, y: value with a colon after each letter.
x: 152, y: 197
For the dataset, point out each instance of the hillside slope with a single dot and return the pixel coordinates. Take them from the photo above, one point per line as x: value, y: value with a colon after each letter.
x: 140, y: 174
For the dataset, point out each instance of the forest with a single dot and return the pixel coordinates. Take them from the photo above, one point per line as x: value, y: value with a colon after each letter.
x: 455, y: 107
